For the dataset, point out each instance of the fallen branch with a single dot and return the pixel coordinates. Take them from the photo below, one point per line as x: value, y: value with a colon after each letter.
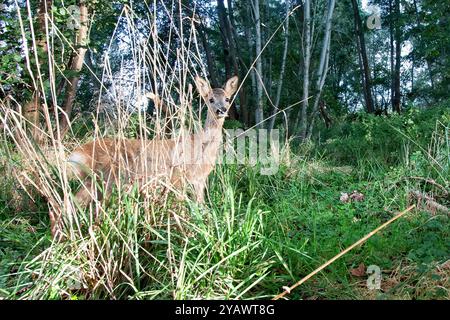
x: 430, y: 181
x: 430, y: 204
x: 360, y: 241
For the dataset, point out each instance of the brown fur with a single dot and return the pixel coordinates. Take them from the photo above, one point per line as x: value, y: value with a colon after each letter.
x: 188, y: 159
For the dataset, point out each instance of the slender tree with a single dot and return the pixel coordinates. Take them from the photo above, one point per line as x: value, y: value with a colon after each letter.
x: 77, y: 63
x: 306, y: 64
x: 203, y: 33
x: 259, y: 113
x: 396, y: 85
x: 364, y: 62
x: 32, y: 108
x: 248, y: 26
x: 322, y: 71
x: 238, y: 65
x: 283, y: 65
x: 226, y: 44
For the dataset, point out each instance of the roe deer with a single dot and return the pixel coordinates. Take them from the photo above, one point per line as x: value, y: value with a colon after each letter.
x: 187, y: 159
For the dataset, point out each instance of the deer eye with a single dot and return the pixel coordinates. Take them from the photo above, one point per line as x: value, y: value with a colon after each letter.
x: 227, y: 99
x: 211, y: 100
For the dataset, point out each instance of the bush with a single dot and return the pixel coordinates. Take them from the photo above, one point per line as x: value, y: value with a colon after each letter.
x: 387, y: 140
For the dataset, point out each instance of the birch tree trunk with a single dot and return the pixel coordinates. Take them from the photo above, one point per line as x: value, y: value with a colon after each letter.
x: 77, y: 64
x: 306, y: 63
x: 320, y: 84
x: 283, y: 67
x: 322, y: 71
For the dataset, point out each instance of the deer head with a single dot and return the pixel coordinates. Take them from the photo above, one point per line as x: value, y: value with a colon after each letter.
x: 218, y: 100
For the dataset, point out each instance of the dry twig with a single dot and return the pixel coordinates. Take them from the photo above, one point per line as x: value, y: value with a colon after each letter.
x: 357, y: 243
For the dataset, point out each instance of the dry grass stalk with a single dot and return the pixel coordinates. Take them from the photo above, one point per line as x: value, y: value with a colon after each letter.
x: 342, y: 253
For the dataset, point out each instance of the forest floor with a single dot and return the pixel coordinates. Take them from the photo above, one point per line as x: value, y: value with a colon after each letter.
x: 256, y: 235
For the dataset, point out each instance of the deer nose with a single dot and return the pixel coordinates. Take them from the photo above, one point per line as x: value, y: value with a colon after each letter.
x: 221, y: 111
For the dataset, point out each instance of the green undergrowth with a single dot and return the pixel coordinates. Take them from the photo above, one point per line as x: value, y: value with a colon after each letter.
x: 256, y: 234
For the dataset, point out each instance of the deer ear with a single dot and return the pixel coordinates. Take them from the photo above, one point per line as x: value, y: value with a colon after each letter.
x: 203, y: 86
x: 231, y: 85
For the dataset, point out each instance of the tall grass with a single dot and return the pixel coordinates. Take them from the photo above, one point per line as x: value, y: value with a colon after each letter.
x: 130, y: 245
x: 255, y: 234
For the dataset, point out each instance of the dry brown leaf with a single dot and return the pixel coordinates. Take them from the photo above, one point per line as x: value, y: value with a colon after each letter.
x: 360, y: 271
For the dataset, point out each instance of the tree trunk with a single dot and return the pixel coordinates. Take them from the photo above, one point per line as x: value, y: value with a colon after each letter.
x: 323, y: 66
x: 244, y: 113
x: 77, y: 64
x: 324, y: 114
x: 31, y: 109
x: 427, y: 60
x: 391, y: 56
x: 252, y: 70
x: 209, y: 58
x: 396, y: 101
x: 413, y: 63
x: 259, y: 113
x: 367, y: 83
x: 306, y: 63
x: 229, y: 49
x: 225, y: 41
x: 283, y: 67
x: 234, y: 58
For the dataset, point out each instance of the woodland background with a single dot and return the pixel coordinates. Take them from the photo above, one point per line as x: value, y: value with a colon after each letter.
x: 360, y: 90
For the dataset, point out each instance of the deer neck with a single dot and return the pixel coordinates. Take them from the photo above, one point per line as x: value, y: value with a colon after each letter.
x: 212, y: 122
x: 212, y: 134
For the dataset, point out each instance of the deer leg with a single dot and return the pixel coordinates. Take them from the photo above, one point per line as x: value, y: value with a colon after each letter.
x: 84, y: 195
x: 199, y: 188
